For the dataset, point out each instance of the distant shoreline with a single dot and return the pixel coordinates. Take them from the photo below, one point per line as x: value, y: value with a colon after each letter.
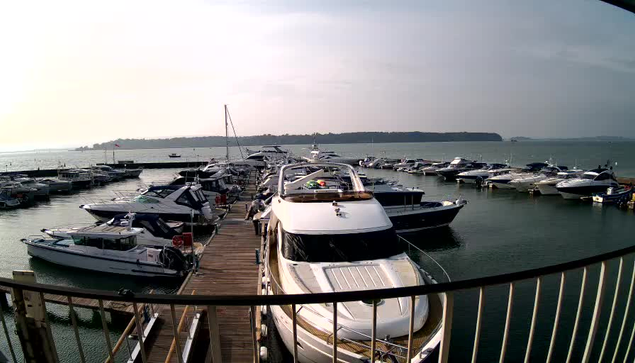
x: 342, y: 138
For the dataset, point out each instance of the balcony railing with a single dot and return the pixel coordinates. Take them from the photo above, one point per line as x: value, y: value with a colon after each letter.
x: 618, y: 328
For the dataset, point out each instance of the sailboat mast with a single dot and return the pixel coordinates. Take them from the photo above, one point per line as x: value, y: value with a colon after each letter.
x: 226, y: 137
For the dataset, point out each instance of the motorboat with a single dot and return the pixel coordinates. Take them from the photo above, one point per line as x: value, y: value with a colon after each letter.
x: 329, y: 236
x: 472, y: 176
x: 155, y: 232
x: 364, y: 163
x: 548, y: 186
x: 614, y: 195
x: 78, y: 177
x: 110, y: 249
x: 130, y: 173
x: 174, y: 155
x: 170, y: 202
x: 527, y: 183
x: 115, y: 174
x: 457, y: 166
x: 591, y: 182
x: 214, y: 189
x: 100, y: 178
x: 258, y: 158
x: 42, y: 190
x: 503, y: 179
x: 25, y: 195
x: 57, y: 185
x: 7, y: 201
x: 432, y: 169
x: 318, y: 156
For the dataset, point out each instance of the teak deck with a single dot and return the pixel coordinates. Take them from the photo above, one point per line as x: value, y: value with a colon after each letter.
x: 227, y: 267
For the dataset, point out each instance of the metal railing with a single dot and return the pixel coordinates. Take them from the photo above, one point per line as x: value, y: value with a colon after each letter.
x: 623, y: 341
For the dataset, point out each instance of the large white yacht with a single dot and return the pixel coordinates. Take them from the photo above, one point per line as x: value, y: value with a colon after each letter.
x: 170, y: 202
x: 325, y: 236
x: 548, y: 186
x: 472, y: 176
x: 258, y: 158
x: 318, y: 156
x: 592, y: 181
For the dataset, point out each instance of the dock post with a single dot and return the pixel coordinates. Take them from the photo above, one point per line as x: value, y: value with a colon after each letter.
x: 32, y: 325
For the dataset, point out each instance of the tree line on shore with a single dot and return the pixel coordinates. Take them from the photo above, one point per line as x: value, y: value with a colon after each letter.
x: 287, y: 139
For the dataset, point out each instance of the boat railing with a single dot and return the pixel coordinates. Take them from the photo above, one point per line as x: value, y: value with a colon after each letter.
x: 607, y: 334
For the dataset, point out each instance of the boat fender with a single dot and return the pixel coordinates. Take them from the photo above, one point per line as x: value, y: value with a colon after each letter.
x: 263, y: 311
x: 125, y: 292
x: 178, y: 241
x: 264, y: 354
x: 263, y: 330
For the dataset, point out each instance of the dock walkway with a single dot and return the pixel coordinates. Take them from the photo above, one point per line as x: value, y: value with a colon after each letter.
x: 227, y: 267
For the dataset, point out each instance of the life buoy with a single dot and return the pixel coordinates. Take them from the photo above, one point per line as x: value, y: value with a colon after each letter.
x: 177, y: 241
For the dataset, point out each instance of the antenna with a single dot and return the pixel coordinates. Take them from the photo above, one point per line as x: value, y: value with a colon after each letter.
x: 226, y: 137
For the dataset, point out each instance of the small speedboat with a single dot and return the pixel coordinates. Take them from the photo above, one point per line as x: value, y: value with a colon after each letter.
x: 110, y: 249
x: 57, y: 185
x: 174, y: 155
x: 613, y: 195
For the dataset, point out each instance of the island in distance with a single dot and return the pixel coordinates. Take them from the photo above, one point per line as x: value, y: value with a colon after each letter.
x: 286, y: 139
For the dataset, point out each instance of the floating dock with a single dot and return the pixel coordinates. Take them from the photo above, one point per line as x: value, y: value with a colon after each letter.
x: 227, y: 267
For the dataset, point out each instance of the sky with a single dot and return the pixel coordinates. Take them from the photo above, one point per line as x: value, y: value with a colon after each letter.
x: 74, y: 73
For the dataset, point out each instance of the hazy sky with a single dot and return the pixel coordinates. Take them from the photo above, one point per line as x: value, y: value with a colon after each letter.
x: 75, y: 73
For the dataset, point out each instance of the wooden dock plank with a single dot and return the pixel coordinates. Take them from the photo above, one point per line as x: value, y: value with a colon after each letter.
x: 227, y: 267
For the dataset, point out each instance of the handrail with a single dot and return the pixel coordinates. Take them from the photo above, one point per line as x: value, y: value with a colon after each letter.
x: 320, y: 298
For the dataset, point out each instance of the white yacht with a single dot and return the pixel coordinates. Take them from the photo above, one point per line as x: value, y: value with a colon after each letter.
x: 78, y: 177
x: 332, y: 237
x: 432, y: 169
x: 318, y: 156
x: 592, y: 181
x: 170, y: 202
x: 109, y: 249
x: 258, y: 158
x: 527, y: 183
x: 503, y: 179
x: 57, y: 185
x: 548, y: 186
x: 472, y: 176
x: 42, y: 190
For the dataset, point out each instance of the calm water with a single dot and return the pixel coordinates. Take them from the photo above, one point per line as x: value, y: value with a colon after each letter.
x: 497, y: 232
x: 583, y: 154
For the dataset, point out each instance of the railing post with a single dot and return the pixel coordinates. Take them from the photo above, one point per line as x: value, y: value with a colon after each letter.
x: 142, y: 347
x: 556, y: 319
x: 214, y: 334
x: 294, y: 318
x: 176, y: 332
x: 252, y: 322
x: 373, y: 333
x: 597, y: 311
x: 411, y: 326
x: 577, y: 315
x: 104, y: 326
x: 534, y: 316
x: 335, y: 332
x: 615, y: 296
x: 75, y: 330
x: 508, y: 318
x: 477, y: 330
x: 448, y: 309
x: 626, y: 312
x: 6, y: 334
x: 31, y: 322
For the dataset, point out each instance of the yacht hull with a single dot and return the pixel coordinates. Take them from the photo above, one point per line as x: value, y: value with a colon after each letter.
x: 106, y: 215
x: 547, y: 189
x: 97, y: 263
x: 501, y: 185
x: 406, y: 220
x: 585, y: 191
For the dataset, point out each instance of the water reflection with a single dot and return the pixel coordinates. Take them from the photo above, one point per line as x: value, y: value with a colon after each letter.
x: 438, y: 239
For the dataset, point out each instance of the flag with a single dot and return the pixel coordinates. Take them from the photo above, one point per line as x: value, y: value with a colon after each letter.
x: 117, y: 145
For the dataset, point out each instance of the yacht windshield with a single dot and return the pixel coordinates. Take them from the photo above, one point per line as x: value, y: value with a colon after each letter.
x: 340, y: 247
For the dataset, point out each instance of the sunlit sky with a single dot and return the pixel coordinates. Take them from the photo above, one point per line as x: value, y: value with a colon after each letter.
x: 76, y: 73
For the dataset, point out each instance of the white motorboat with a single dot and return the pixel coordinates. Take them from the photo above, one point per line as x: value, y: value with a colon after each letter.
x: 170, y: 202
x: 154, y: 231
x: 472, y: 176
x: 318, y: 156
x: 258, y: 158
x: 7, y: 201
x: 325, y: 236
x: 432, y: 169
x: 42, y: 190
x: 548, y: 186
x: 115, y: 174
x: 109, y: 249
x: 591, y: 182
x: 503, y: 179
x: 528, y: 183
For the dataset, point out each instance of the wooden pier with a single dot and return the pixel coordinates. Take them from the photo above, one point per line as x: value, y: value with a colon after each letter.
x: 227, y: 267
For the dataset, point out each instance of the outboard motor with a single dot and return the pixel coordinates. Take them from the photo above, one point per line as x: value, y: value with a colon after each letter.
x: 173, y: 259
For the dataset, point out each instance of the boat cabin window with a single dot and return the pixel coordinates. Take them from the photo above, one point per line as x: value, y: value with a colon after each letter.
x: 604, y: 176
x: 340, y: 247
x: 159, y: 193
x: 144, y: 199
x: 121, y: 244
x: 187, y: 200
x: 589, y: 176
x: 256, y: 157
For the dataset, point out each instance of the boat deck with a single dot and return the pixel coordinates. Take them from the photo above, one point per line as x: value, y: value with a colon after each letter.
x: 227, y: 267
